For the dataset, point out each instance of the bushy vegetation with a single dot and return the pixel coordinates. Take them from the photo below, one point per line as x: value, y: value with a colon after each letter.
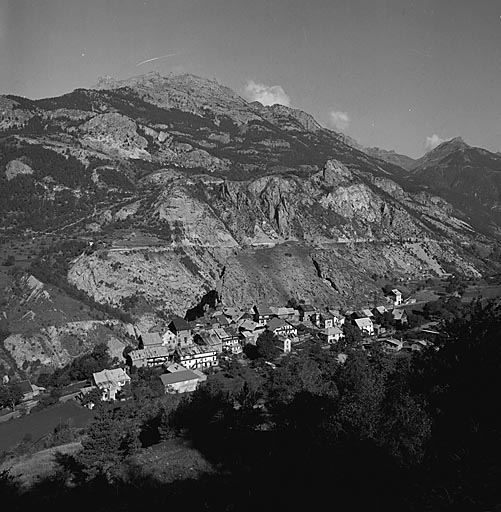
x: 52, y: 265
x: 79, y: 369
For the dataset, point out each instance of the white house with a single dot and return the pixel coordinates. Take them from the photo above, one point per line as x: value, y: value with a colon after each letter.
x: 332, y: 334
x: 284, y: 344
x: 110, y: 382
x: 396, y: 297
x: 365, y: 325
x: 196, y: 357
x: 181, y: 381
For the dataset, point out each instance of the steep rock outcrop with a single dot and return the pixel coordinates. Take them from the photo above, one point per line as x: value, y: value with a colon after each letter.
x: 114, y: 131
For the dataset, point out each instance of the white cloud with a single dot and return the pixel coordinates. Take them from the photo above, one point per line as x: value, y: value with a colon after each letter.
x: 267, y: 94
x: 339, y: 120
x: 433, y: 141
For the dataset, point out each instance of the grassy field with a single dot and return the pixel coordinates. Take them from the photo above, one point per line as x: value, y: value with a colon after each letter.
x: 39, y: 424
x: 28, y: 469
x: 172, y: 460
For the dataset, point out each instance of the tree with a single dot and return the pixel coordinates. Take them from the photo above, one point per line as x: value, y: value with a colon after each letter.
x: 352, y: 334
x: 10, y: 395
x: 387, y: 288
x: 111, y: 438
x: 266, y: 346
x: 95, y: 397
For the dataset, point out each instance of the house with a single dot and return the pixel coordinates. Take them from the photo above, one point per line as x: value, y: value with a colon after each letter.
x: 285, y: 313
x: 280, y: 327
x: 175, y: 367
x: 182, y: 381
x: 250, y: 331
x: 396, y: 297
x: 232, y: 314
x: 222, y: 320
x: 379, y: 313
x: 400, y: 316
x: 169, y: 339
x: 338, y: 318
x: 332, y: 334
x: 391, y: 344
x: 110, y: 382
x: 150, y: 339
x: 365, y: 313
x: 196, y: 357
x: 230, y: 339
x: 262, y: 314
x: 351, y: 314
x: 414, y: 345
x: 209, y: 339
x: 307, y: 312
x: 326, y: 320
x: 182, y: 329
x: 29, y: 390
x: 151, y: 356
x: 284, y: 344
x: 365, y: 325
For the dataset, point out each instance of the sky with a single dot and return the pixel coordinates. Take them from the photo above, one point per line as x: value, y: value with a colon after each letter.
x: 397, y: 74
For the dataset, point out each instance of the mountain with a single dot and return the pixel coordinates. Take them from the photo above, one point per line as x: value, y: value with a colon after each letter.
x: 404, y: 161
x: 142, y: 198
x: 468, y: 177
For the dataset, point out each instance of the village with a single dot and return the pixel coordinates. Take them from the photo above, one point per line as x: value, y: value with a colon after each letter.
x: 187, y: 351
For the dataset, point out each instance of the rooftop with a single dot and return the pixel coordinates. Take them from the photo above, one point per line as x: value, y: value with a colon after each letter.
x: 110, y: 377
x: 194, y: 350
x: 179, y: 376
x: 363, y: 322
x: 276, y: 323
x: 179, y: 324
x: 222, y: 334
x: 149, y: 353
x: 263, y: 309
x: 151, y: 339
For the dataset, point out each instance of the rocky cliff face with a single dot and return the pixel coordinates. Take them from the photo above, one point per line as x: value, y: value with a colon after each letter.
x: 272, y: 238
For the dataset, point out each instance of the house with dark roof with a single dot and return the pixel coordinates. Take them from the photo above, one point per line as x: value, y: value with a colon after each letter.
x: 326, y: 320
x: 280, y: 327
x: 29, y: 390
x: 306, y: 312
x: 182, y: 329
x: 230, y: 339
x: 378, y: 313
x: 285, y: 313
x: 250, y: 331
x: 262, y: 314
x: 209, y: 339
x: 150, y: 356
x: 150, y: 339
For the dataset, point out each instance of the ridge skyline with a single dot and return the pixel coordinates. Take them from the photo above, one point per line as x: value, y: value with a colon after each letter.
x: 109, y: 82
